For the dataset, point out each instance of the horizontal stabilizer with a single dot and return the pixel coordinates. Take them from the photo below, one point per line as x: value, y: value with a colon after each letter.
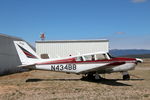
x: 29, y: 66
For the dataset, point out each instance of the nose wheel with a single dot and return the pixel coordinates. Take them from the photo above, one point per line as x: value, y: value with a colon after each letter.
x: 126, y: 76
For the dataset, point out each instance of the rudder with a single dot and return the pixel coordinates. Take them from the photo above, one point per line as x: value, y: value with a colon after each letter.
x: 26, y: 54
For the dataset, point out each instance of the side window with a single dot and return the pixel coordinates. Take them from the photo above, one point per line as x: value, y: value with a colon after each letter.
x: 100, y: 56
x: 88, y: 58
x: 79, y: 58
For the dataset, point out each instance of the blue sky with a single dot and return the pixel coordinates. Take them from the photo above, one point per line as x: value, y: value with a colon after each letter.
x: 125, y: 23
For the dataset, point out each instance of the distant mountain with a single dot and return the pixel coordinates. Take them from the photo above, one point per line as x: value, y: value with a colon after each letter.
x: 130, y: 53
x: 138, y: 56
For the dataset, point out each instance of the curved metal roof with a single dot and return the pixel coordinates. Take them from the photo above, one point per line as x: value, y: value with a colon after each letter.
x: 8, y: 36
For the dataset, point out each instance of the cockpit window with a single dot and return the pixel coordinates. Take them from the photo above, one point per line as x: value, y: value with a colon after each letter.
x: 79, y: 58
x: 92, y: 57
x: 89, y: 58
x: 101, y: 57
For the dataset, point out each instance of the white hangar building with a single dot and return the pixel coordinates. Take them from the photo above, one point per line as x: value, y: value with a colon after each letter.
x: 65, y: 48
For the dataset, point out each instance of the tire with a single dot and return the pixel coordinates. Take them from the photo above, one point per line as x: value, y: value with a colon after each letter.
x: 126, y: 77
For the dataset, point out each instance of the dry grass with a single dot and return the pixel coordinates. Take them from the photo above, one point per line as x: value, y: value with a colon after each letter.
x: 45, y: 85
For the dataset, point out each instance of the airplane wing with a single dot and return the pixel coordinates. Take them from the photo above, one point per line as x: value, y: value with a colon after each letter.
x: 104, y: 67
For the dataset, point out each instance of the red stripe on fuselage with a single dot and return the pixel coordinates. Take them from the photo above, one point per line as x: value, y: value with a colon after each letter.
x: 72, y: 60
x: 116, y: 63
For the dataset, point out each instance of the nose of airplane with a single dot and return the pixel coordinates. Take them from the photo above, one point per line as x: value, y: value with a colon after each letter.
x: 139, y: 60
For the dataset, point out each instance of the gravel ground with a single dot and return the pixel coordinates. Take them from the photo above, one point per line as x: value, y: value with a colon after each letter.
x: 46, y: 85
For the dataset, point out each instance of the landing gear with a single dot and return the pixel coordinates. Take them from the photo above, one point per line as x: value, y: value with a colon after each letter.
x: 97, y: 76
x: 91, y: 76
x: 126, y: 76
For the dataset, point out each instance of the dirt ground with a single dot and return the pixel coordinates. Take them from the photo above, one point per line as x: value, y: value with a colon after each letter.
x: 46, y: 85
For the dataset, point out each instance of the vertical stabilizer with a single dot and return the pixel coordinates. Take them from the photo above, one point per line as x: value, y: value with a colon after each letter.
x: 26, y: 54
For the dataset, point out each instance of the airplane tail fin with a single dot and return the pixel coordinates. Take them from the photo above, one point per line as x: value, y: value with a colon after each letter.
x: 26, y: 54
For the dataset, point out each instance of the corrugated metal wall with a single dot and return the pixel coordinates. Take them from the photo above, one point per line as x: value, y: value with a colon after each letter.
x: 8, y: 56
x: 65, y: 48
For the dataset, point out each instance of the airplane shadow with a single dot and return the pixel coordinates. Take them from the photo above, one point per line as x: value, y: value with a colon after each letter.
x: 112, y: 82
x: 37, y: 80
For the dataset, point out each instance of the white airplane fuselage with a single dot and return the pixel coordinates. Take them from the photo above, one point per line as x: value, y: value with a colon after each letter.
x: 80, y: 67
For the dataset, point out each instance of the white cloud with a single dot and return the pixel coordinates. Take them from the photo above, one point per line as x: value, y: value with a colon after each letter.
x: 138, y: 1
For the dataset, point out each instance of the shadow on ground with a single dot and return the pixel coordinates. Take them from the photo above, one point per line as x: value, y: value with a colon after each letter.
x: 112, y: 82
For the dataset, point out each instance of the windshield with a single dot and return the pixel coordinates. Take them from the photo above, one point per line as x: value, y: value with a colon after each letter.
x: 110, y: 55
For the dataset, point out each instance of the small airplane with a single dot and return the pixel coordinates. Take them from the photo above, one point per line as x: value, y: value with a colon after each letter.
x: 89, y: 65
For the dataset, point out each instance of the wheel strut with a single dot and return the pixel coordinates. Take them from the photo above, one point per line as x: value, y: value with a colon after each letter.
x: 126, y: 76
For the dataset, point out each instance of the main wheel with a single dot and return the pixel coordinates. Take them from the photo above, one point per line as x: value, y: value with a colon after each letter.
x: 88, y: 76
x: 98, y: 77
